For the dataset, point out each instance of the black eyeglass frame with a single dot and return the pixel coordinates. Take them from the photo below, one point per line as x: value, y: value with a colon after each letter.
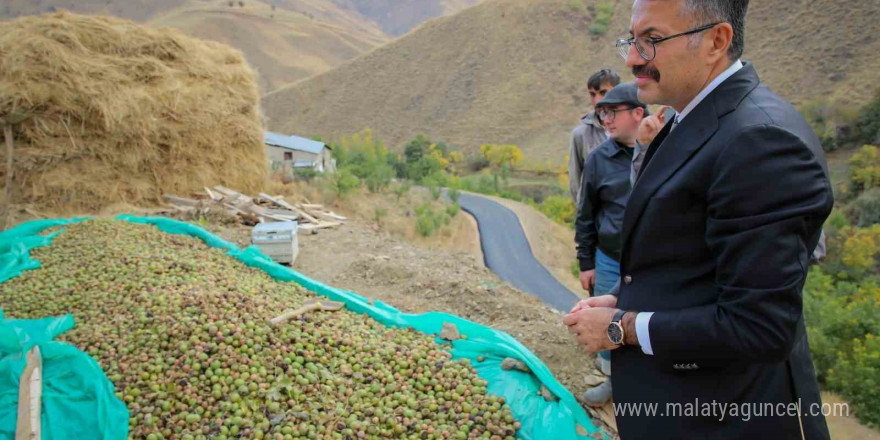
x: 612, y: 112
x: 623, y: 44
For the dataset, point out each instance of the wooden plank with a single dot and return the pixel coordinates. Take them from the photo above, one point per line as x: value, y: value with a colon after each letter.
x: 180, y: 201
x: 308, y: 229
x: 282, y: 212
x: 311, y: 206
x: 233, y: 208
x: 279, y: 202
x: 214, y: 197
x: 30, y: 393
x: 266, y: 212
x: 34, y: 213
x: 325, y: 225
x: 308, y: 217
x: 335, y: 216
x: 284, y: 204
x: 324, y: 215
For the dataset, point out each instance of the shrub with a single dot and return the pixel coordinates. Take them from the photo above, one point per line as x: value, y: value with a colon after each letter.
x: 866, y: 208
x: 436, y: 192
x: 480, y: 183
x: 305, y: 174
x: 598, y: 28
x: 833, y: 124
x: 428, y: 220
x: 402, y: 188
x: 861, y: 248
x: 365, y: 157
x: 843, y: 320
x: 453, y: 210
x: 602, y: 19
x: 865, y: 168
x: 560, y: 209
x: 454, y: 194
x: 379, y: 178
x: 477, y: 162
x: 868, y: 123
x: 425, y: 225
x: 837, y: 220
x: 416, y: 149
x: 513, y: 195
x: 501, y: 155
x: 379, y: 214
x: 424, y: 158
x: 857, y: 377
x: 343, y: 182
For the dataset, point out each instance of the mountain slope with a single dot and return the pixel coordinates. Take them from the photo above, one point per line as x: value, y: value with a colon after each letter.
x: 515, y: 71
x: 137, y: 10
x: 284, y: 44
x: 285, y: 40
x: 397, y: 17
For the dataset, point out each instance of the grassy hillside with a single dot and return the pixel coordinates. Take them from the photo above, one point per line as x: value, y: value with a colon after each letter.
x: 285, y: 40
x: 290, y: 42
x: 138, y: 10
x: 397, y: 17
x: 515, y: 71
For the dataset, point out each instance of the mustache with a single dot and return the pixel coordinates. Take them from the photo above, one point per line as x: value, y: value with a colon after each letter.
x: 646, y: 70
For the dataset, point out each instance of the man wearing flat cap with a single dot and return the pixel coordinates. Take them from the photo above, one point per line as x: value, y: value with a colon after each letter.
x: 604, y: 191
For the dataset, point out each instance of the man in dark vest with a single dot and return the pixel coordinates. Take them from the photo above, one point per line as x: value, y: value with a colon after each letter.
x: 707, y: 326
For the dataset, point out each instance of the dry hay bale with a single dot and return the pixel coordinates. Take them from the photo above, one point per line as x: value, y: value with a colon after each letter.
x: 121, y: 112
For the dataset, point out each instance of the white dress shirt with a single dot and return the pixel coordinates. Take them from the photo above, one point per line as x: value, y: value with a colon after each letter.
x: 643, y: 319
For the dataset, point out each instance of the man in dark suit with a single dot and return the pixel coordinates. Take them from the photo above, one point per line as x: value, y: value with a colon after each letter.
x: 707, y: 326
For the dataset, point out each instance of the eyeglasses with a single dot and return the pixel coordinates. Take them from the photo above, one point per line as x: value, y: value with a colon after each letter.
x: 609, y: 114
x: 645, y: 45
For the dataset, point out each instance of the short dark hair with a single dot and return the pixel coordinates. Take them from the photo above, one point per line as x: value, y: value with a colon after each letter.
x: 730, y: 11
x: 603, y: 76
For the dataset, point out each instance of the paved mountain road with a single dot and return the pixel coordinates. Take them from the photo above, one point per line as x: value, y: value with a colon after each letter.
x: 507, y: 252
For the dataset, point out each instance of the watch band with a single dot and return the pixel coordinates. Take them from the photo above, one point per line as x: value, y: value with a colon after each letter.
x: 615, y: 323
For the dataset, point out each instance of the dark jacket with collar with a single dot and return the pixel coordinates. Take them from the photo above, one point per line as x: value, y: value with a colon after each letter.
x: 604, y: 191
x: 717, y: 239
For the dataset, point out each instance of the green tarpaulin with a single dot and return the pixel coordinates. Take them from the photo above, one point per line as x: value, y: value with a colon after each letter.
x: 541, y: 419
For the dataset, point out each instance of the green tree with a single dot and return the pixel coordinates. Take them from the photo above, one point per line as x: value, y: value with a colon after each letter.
x: 865, y: 168
x: 416, y: 149
x: 868, y: 124
x: 343, y: 182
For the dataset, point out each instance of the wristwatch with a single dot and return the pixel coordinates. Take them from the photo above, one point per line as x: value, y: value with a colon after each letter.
x: 615, y: 329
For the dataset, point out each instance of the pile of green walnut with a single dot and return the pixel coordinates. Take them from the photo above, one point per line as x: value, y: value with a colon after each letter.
x: 182, y: 330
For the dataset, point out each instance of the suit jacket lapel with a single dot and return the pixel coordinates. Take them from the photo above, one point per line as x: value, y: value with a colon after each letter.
x: 674, y: 150
x: 677, y: 146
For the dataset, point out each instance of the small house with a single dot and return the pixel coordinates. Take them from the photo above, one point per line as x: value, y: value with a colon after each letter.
x: 298, y: 152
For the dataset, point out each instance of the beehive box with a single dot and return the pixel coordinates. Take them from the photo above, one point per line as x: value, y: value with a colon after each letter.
x: 277, y: 240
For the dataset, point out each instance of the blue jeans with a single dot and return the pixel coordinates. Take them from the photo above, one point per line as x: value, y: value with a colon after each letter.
x: 607, y: 274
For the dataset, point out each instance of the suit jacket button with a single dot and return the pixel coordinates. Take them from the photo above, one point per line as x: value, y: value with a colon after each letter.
x: 628, y: 280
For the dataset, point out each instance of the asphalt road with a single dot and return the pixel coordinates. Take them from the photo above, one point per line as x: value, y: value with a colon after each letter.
x: 507, y: 252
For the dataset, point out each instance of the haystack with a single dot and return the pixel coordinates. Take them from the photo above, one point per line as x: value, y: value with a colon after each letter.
x: 121, y: 112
